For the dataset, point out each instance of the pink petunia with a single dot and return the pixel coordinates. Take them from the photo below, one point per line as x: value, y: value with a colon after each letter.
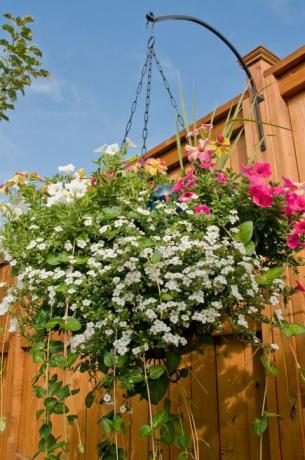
x: 278, y: 190
x: 192, y: 153
x: 187, y: 196
x: 289, y: 184
x: 293, y: 240
x: 178, y: 186
x: 257, y: 170
x: 207, y: 165
x: 202, y: 209
x: 300, y: 287
x: 261, y: 194
x: 221, y: 177
x: 205, y: 156
x: 295, y: 203
x: 300, y: 226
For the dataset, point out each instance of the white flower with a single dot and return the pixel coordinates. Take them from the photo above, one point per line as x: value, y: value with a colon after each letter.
x: 274, y: 346
x: 58, y: 229
x: 67, y: 169
x: 77, y: 187
x: 112, y: 149
x: 54, y: 189
x: 107, y: 398
x: 129, y: 142
x: 242, y: 321
x: 12, y: 325
x: 123, y: 409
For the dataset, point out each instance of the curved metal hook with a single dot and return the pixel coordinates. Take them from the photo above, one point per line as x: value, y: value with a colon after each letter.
x: 256, y: 98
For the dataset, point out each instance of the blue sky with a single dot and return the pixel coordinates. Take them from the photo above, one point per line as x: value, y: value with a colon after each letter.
x: 95, y: 49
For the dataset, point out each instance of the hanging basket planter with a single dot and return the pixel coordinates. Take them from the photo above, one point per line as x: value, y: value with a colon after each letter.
x: 122, y: 271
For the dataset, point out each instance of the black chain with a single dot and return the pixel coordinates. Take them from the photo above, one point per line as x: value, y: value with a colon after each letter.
x: 147, y: 102
x: 135, y: 102
x: 147, y: 68
x: 167, y: 87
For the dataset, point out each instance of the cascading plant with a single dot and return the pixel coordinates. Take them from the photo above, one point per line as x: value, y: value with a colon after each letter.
x: 121, y: 272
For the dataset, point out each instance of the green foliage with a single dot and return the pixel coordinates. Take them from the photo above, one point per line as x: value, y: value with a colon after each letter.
x: 292, y: 329
x: 19, y: 61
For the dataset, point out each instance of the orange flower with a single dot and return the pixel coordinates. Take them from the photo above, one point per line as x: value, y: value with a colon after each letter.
x: 155, y: 166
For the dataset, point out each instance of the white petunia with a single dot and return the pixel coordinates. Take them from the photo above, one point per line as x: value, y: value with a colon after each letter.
x: 112, y: 149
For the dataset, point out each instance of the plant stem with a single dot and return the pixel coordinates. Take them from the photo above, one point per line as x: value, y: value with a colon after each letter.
x: 150, y: 410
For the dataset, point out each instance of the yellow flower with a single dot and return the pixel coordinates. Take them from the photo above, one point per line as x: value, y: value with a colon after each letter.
x: 155, y: 166
x: 220, y: 146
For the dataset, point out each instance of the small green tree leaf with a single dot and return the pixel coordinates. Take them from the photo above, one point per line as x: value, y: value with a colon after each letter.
x: 245, y: 232
x: 107, y: 425
x: 172, y: 361
x: 108, y: 359
x: 89, y: 399
x: 72, y: 324
x: 145, y: 430
x: 156, y: 371
x: 260, y: 425
x: 292, y: 329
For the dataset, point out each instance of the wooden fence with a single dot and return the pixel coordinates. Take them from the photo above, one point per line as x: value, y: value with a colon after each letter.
x: 227, y: 381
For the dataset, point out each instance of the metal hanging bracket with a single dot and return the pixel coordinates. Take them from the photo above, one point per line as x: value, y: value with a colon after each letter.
x: 255, y: 96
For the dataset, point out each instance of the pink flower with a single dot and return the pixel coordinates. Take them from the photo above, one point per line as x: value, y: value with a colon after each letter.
x: 293, y: 240
x: 289, y: 184
x: 260, y: 194
x: 300, y: 287
x: 187, y: 196
x: 188, y: 181
x: 295, y: 203
x: 93, y: 180
x: 202, y: 208
x: 221, y: 177
x: 205, y: 156
x: 192, y: 153
x: 202, y: 143
x: 178, y: 186
x: 207, y: 165
x: 300, y: 226
x: 206, y: 127
x: 278, y: 190
x: 257, y: 170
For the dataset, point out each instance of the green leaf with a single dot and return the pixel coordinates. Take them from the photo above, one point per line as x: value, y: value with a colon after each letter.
x: 45, y: 430
x: 167, y: 433
x: 107, y: 425
x: 52, y: 260
x: 269, y: 365
x: 58, y: 361
x: 156, y: 371
x: 54, y: 322
x: 183, y: 441
x: 158, y: 389
x: 172, y: 361
x: 60, y: 408
x: 155, y: 258
x: 260, y: 425
x: 250, y: 248
x: 292, y: 329
x: 245, y: 232
x: 117, y: 423
x: 71, y: 358
x: 81, y: 260
x: 71, y: 419
x: 56, y: 346
x: 89, y: 399
x: 145, y: 430
x: 72, y: 324
x: 160, y: 419
x: 108, y: 359
x: 267, y: 278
